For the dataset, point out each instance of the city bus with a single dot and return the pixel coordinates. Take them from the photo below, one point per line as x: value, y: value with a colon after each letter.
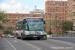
x: 30, y: 27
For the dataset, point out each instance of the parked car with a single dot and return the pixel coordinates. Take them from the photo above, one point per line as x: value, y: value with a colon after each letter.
x: 10, y: 36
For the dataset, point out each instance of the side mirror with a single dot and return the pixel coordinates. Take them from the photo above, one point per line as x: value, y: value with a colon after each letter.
x: 24, y: 21
x: 44, y: 22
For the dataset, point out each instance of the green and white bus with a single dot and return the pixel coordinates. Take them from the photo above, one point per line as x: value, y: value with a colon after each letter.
x: 30, y: 27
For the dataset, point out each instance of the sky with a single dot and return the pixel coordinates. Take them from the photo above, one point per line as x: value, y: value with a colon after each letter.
x: 21, y: 6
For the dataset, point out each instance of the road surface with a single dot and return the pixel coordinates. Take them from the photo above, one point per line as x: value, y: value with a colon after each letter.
x: 71, y: 40
x: 34, y: 44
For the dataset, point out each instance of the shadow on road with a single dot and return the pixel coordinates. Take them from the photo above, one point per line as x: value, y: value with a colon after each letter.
x: 33, y: 39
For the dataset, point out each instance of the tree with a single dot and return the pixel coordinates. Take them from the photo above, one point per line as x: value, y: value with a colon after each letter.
x: 1, y: 27
x: 57, y: 32
x: 48, y: 26
x: 10, y: 32
x: 68, y: 25
x: 3, y: 17
x: 10, y: 28
x: 56, y: 23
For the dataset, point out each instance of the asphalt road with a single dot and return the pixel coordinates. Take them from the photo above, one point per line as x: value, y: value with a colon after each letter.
x: 71, y: 40
x: 34, y: 44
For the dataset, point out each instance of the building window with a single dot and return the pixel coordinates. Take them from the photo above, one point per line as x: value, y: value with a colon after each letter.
x: 74, y: 20
x: 53, y: 16
x: 53, y: 5
x: 50, y: 9
x: 74, y: 14
x: 9, y: 22
x: 50, y: 2
x: 57, y: 3
x: 16, y: 20
x: 53, y: 2
x: 9, y: 15
x: 43, y: 15
x: 74, y: 7
x: 23, y: 15
x: 53, y: 29
x: 60, y: 2
x: 33, y: 15
x: 53, y: 9
x: 30, y: 15
x: 16, y: 16
x: 20, y: 15
x: 73, y: 0
x: 12, y: 22
x: 0, y: 22
x: 12, y: 15
x: 37, y: 16
x: 40, y: 15
x: 26, y: 15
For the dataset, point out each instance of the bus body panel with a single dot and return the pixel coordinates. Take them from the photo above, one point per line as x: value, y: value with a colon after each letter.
x: 22, y: 27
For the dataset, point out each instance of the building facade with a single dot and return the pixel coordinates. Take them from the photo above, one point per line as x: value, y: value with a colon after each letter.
x: 71, y: 12
x: 62, y: 11
x: 58, y: 11
x: 14, y: 17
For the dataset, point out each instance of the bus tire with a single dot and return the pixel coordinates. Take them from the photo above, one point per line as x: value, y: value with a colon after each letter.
x: 18, y: 37
x: 22, y: 38
x: 38, y: 38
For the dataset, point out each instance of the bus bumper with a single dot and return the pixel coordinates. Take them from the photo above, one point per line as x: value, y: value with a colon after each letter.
x: 34, y: 36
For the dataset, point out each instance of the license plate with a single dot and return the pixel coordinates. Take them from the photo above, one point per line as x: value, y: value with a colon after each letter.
x: 34, y: 36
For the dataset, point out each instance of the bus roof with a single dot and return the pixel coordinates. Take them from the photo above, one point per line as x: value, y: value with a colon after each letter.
x: 27, y: 17
x: 33, y: 17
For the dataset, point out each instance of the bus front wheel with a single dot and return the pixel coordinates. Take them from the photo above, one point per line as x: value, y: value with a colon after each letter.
x: 38, y: 38
x: 18, y: 37
x: 22, y: 38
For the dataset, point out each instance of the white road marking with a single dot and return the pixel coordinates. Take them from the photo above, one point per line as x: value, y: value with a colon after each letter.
x: 15, y: 41
x: 10, y: 44
x: 30, y: 44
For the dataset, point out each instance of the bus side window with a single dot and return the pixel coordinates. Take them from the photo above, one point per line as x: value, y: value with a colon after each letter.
x: 24, y: 25
x: 44, y: 22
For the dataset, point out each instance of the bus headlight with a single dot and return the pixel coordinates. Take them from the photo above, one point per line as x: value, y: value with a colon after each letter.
x: 26, y: 33
x: 42, y: 33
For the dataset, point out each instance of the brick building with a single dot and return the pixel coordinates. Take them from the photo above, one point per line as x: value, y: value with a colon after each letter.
x: 60, y: 10
x: 71, y: 12
x: 14, y: 17
x: 57, y: 10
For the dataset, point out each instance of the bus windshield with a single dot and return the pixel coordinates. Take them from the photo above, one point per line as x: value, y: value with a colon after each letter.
x: 35, y: 24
